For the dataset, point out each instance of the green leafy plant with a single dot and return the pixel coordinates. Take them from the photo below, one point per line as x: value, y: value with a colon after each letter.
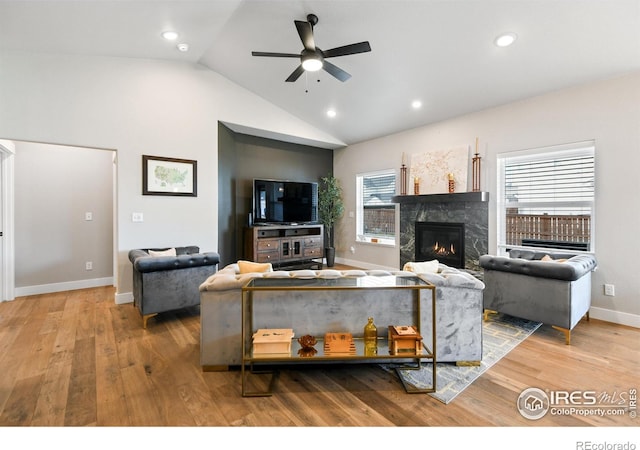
x: 330, y: 205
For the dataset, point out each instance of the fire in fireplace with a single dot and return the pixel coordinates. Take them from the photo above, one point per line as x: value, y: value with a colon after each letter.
x: 443, y: 241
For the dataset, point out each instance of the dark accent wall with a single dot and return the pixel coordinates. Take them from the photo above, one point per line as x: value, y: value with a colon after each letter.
x: 241, y: 158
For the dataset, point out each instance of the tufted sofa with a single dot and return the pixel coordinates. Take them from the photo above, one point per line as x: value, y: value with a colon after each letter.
x: 166, y: 283
x: 458, y: 311
x: 552, y: 288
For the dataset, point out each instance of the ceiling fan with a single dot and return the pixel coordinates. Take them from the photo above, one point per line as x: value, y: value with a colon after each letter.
x: 312, y: 58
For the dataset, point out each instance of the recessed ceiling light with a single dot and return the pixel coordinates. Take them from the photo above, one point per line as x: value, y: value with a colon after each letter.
x: 183, y: 47
x: 506, y: 39
x: 416, y: 104
x: 170, y: 35
x: 331, y: 113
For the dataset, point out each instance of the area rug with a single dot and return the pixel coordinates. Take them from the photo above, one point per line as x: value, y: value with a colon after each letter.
x: 500, y: 334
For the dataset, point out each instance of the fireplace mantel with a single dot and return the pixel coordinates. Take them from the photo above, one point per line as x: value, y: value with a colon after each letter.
x: 440, y: 198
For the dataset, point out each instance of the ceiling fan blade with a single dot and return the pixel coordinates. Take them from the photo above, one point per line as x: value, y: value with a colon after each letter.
x: 279, y: 55
x: 335, y: 71
x: 295, y: 74
x: 351, y: 49
x: 305, y: 31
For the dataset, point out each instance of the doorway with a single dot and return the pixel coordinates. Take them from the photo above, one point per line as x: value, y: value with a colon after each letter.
x: 64, y: 217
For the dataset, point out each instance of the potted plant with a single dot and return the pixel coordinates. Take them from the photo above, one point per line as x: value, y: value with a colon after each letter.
x: 330, y: 209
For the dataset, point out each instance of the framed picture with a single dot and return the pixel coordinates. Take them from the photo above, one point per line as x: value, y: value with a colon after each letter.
x: 169, y: 176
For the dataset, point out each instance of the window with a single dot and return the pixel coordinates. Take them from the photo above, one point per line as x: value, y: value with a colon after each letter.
x: 546, y: 198
x: 376, y: 219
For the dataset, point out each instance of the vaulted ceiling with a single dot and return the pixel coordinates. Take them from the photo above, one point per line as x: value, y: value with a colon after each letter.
x: 441, y: 53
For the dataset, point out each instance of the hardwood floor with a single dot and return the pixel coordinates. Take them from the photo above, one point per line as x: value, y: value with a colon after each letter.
x: 77, y: 359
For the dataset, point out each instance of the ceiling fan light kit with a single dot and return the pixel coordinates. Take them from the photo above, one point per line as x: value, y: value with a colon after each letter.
x: 313, y: 58
x: 311, y: 62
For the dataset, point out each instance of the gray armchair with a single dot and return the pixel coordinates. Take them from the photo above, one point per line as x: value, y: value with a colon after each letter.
x: 167, y: 283
x: 555, y: 292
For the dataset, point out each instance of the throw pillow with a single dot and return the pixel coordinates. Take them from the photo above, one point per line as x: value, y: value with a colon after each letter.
x: 168, y: 252
x: 253, y: 267
x: 422, y: 267
x: 548, y: 258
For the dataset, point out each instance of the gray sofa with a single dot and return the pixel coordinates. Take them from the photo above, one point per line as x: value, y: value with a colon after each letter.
x: 458, y: 311
x: 555, y: 292
x: 166, y: 283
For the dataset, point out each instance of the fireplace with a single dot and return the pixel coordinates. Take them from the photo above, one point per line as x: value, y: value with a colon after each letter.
x: 469, y: 208
x: 443, y: 241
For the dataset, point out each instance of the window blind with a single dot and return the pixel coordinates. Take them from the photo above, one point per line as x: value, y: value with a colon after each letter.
x: 378, y: 189
x: 556, y: 179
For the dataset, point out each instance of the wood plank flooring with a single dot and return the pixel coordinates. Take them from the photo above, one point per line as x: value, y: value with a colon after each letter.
x: 77, y: 359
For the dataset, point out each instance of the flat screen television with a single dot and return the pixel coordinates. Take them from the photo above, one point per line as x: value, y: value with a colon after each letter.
x: 284, y: 202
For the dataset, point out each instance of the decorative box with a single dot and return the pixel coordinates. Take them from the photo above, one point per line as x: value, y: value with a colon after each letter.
x: 272, y: 340
x: 339, y: 343
x: 404, y: 339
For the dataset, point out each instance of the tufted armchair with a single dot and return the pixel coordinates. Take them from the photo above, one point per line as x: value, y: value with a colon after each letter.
x: 552, y: 288
x: 169, y: 280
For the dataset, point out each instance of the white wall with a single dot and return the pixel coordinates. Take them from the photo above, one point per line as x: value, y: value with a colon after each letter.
x: 608, y: 112
x: 138, y: 107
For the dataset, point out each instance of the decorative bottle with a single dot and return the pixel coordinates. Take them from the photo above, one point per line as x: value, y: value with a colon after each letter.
x: 370, y: 338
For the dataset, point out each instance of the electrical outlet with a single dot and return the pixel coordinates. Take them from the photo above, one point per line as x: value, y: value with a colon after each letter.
x: 610, y: 290
x: 88, y: 216
x: 88, y: 265
x: 137, y: 217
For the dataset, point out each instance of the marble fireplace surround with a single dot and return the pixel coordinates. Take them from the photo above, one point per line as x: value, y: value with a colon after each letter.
x: 470, y: 208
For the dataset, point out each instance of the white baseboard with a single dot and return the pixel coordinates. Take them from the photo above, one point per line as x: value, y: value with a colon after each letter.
x: 609, y: 315
x: 126, y: 297
x: 60, y: 287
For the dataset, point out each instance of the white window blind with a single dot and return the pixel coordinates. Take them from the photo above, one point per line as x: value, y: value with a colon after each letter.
x: 376, y: 218
x: 547, y: 197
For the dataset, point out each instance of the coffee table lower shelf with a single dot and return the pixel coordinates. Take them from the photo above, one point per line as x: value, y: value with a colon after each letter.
x: 261, y: 364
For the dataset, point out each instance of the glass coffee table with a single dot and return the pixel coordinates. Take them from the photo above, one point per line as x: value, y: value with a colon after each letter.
x: 350, y: 289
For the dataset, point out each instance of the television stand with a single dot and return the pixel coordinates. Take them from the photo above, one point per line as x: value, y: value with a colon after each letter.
x: 285, y: 246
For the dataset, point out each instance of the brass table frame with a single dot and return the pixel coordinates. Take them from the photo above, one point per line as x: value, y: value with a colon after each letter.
x: 413, y: 283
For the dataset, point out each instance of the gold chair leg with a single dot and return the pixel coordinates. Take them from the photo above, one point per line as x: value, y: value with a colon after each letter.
x: 487, y: 312
x: 567, y: 334
x: 146, y: 318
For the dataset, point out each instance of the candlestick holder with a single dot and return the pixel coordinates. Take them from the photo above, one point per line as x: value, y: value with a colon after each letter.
x: 403, y: 180
x: 416, y: 186
x: 476, y: 161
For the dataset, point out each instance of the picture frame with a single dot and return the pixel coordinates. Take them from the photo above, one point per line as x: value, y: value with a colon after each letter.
x: 169, y: 176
